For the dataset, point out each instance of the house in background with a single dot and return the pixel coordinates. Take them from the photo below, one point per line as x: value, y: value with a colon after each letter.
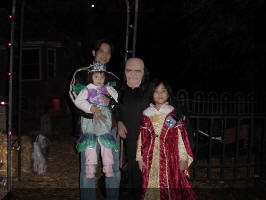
x: 46, y: 67
x: 4, y: 62
x: 44, y: 75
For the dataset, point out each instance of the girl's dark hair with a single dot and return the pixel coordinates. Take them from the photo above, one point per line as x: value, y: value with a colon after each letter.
x: 155, y: 83
x: 180, y: 111
x: 90, y: 77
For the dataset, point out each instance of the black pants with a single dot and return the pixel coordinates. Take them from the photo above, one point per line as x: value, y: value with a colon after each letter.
x: 134, y: 173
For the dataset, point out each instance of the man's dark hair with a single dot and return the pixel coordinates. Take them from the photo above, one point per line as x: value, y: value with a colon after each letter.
x: 97, y: 44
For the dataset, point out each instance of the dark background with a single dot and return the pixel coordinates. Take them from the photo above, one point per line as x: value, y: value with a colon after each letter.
x: 209, y: 45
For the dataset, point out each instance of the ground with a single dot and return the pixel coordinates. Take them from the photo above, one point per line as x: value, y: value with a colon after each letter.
x: 61, y: 181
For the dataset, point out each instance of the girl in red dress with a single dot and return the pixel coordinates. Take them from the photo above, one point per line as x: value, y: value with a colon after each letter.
x: 163, y: 149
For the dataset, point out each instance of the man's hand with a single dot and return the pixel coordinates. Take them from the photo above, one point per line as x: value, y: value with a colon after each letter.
x: 97, y: 115
x: 122, y: 130
x: 93, y: 109
x: 106, y: 100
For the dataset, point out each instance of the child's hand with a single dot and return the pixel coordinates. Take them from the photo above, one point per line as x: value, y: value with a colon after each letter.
x: 141, y: 164
x: 183, y: 165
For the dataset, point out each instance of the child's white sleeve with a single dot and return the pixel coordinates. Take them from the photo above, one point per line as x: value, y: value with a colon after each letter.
x: 113, y: 93
x: 81, y: 101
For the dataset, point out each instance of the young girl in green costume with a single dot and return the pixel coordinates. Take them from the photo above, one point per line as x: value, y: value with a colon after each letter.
x: 89, y: 100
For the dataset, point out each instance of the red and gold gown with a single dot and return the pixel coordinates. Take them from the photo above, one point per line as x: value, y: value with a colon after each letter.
x: 162, y: 143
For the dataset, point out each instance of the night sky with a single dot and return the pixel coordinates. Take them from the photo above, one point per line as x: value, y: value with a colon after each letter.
x: 209, y: 45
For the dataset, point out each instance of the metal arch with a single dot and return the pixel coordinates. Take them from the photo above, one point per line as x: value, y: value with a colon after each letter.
x: 131, y: 39
x: 10, y: 96
x: 132, y: 42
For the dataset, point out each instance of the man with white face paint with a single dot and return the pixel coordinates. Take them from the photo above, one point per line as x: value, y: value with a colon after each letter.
x: 133, y: 99
x: 134, y: 72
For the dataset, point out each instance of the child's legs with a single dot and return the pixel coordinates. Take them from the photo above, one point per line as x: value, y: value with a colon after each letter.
x: 107, y: 158
x: 91, y: 161
x: 91, y: 156
x: 107, y: 155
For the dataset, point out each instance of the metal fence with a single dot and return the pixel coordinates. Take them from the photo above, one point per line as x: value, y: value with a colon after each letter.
x: 228, y: 135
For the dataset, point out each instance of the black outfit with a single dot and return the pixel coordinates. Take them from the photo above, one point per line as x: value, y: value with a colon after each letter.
x: 132, y: 103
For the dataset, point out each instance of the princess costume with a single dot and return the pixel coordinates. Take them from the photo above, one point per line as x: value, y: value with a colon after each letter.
x: 162, y: 144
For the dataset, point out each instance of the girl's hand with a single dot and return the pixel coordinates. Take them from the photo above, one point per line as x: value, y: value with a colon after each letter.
x: 183, y: 165
x: 122, y: 130
x: 141, y: 165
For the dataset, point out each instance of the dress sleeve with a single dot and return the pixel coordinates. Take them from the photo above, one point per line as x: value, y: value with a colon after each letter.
x: 81, y: 101
x: 139, y: 143
x: 183, y: 155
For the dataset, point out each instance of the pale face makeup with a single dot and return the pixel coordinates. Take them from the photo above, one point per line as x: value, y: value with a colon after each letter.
x: 134, y: 72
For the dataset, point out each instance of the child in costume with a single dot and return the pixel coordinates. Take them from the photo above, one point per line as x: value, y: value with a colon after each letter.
x: 163, y: 149
x: 93, y: 97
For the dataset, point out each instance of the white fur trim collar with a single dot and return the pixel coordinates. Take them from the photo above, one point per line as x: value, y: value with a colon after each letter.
x: 151, y: 110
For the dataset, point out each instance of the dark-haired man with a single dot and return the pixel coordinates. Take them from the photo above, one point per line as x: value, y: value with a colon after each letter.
x: 102, y: 53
